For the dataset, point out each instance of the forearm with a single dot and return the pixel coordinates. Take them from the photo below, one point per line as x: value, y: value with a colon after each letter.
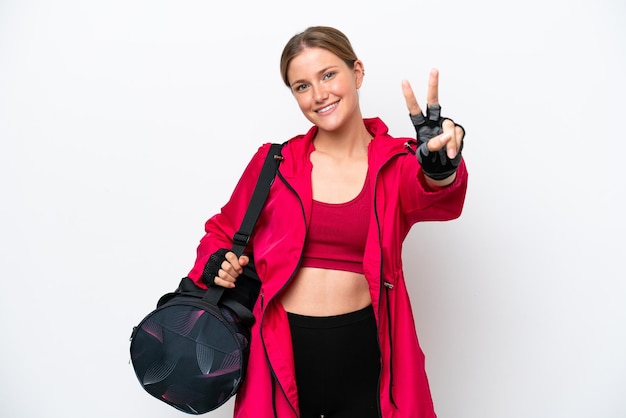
x: 437, y: 184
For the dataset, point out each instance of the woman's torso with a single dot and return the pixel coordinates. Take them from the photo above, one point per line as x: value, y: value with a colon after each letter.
x: 327, y: 291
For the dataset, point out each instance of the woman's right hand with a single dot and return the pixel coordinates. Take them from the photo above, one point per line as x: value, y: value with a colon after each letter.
x: 223, y: 268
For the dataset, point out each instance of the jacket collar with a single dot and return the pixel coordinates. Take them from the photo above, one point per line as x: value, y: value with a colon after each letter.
x: 297, y: 162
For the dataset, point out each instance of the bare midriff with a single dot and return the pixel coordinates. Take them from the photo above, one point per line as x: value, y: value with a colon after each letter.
x: 324, y: 292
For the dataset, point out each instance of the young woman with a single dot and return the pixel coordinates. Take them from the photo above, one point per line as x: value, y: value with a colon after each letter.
x: 334, y: 335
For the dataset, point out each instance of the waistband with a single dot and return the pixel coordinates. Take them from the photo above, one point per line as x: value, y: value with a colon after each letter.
x: 333, y: 321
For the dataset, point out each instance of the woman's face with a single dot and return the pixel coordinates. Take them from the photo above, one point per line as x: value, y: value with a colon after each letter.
x: 325, y: 87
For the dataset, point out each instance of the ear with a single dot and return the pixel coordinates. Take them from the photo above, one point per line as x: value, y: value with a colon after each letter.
x: 359, y: 73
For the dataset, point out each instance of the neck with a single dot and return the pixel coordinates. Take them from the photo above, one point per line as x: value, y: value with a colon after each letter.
x: 351, y: 141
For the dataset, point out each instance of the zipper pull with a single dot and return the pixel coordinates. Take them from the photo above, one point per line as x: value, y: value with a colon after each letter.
x: 388, y: 285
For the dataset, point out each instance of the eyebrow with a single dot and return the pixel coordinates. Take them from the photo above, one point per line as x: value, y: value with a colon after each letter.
x: 322, y: 71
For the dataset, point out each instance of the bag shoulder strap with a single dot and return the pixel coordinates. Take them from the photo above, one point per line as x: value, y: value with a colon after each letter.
x: 259, y: 196
x: 257, y: 201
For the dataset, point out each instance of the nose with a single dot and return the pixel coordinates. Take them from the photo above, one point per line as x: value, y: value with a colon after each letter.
x: 319, y: 94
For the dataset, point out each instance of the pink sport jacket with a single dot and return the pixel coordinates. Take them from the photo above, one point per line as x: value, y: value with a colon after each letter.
x: 400, y: 199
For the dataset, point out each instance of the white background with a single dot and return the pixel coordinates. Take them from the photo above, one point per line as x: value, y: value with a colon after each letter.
x: 124, y: 124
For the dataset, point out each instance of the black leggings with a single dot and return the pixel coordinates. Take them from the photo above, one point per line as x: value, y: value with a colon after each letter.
x: 337, y: 363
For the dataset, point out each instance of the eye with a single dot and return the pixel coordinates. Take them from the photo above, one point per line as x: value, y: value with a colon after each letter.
x: 328, y: 75
x: 300, y: 87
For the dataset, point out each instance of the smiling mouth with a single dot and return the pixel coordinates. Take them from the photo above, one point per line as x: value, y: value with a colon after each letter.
x: 326, y: 108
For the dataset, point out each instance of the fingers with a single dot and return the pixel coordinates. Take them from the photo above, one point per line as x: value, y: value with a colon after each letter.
x: 451, y: 138
x: 230, y: 269
x: 433, y: 87
x: 409, y: 97
x: 452, y: 146
x: 432, y: 96
x: 460, y: 133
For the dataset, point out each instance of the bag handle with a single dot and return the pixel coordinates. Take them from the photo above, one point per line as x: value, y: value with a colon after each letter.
x: 257, y: 201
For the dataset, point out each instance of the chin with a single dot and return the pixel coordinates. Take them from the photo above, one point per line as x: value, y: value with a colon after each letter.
x: 329, y: 124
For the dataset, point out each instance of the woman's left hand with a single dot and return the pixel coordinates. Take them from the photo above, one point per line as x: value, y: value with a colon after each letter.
x: 441, y: 139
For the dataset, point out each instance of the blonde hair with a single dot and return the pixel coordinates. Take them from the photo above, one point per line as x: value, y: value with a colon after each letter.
x: 324, y: 37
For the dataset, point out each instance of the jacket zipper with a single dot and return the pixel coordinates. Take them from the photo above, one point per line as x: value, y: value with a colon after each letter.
x: 274, y: 377
x: 387, y: 286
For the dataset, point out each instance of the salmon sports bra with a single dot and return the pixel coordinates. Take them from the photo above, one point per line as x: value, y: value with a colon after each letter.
x: 337, y: 233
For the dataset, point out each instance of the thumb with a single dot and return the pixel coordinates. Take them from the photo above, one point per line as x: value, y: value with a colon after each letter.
x: 438, y: 142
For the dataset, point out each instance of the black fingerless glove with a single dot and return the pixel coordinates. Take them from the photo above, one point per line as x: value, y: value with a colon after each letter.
x: 435, y: 164
x: 213, y: 266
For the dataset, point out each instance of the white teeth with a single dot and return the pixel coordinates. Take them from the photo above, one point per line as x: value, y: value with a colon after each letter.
x: 327, y: 108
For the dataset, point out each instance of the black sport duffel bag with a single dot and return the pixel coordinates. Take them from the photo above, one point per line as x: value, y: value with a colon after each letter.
x: 191, y: 352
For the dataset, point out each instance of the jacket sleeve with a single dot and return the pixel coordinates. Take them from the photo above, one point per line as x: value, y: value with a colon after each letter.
x: 221, y: 227
x: 420, y: 202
